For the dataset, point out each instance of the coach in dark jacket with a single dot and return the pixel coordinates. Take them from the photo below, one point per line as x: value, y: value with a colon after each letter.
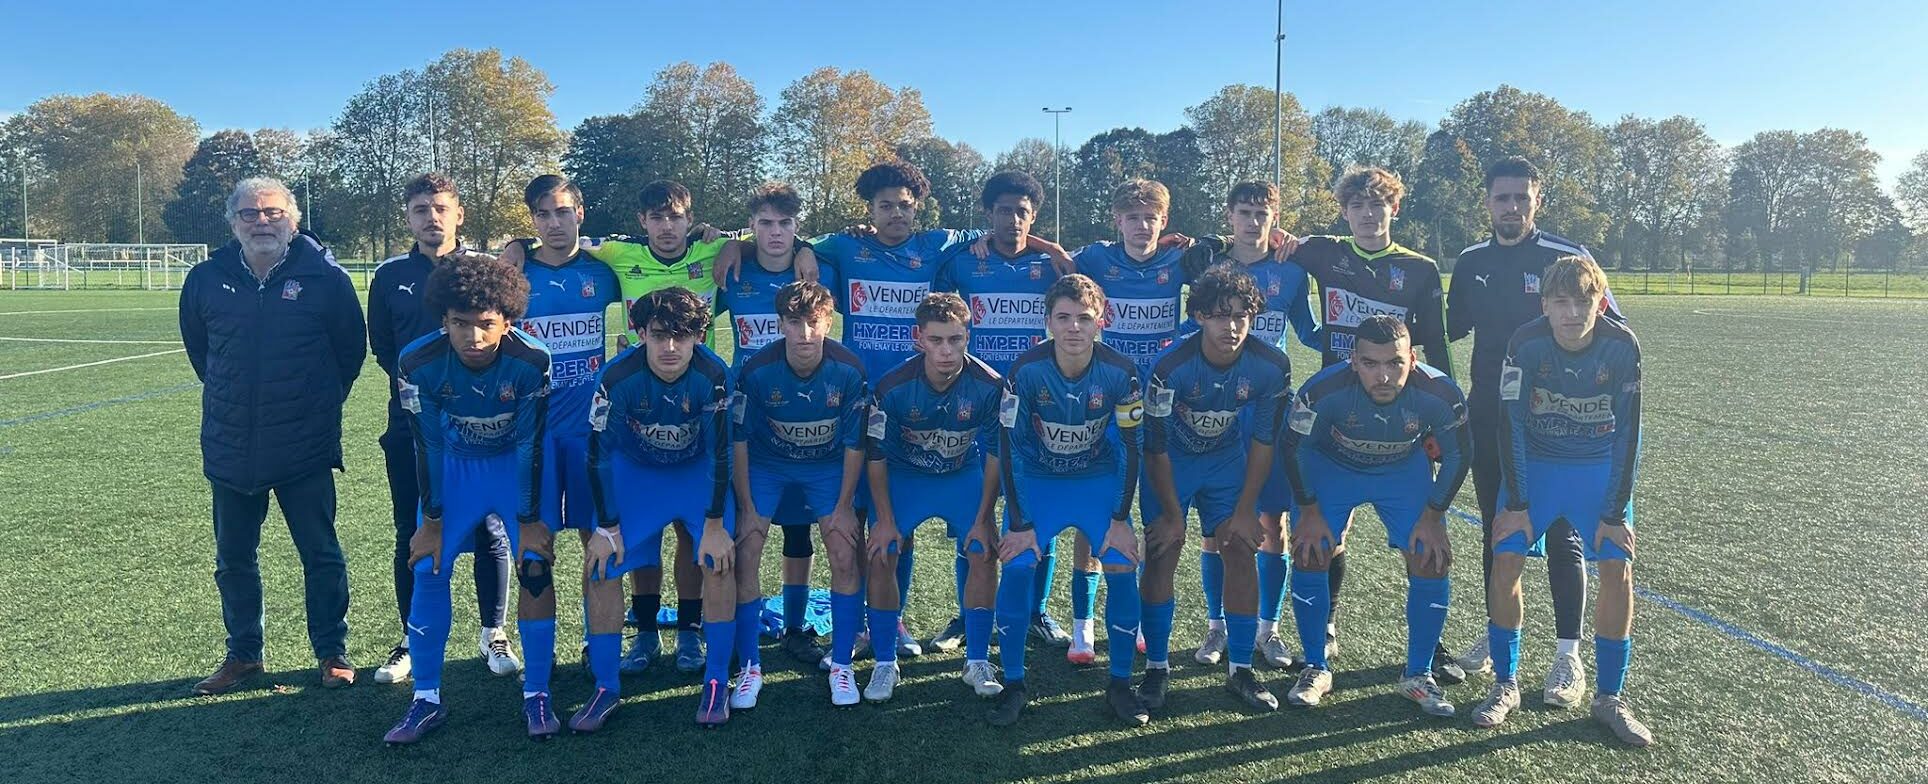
x: 274, y: 330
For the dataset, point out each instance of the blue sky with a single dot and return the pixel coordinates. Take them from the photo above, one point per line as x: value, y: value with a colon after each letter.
x: 986, y: 67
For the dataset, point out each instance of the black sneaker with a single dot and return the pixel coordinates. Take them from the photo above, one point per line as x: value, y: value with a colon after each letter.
x: 1046, y: 630
x: 1244, y: 683
x: 1151, y: 689
x: 1010, y: 704
x: 951, y: 638
x: 1446, y: 667
x: 801, y: 645
x: 1125, y: 703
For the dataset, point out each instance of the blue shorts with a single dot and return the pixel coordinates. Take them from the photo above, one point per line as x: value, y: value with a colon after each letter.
x: 477, y: 492
x: 1053, y: 504
x: 793, y: 511
x: 953, y: 498
x: 565, y: 475
x: 1398, y: 496
x: 650, y: 497
x: 1276, y: 496
x: 1573, y: 491
x: 1208, y: 483
x: 817, y: 483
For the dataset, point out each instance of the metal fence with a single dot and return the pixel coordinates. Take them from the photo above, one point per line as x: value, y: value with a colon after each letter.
x: 91, y: 265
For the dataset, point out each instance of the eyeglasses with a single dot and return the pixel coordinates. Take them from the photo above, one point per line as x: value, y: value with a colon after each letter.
x: 250, y: 215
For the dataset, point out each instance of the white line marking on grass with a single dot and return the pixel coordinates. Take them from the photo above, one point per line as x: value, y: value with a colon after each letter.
x: 80, y: 340
x: 79, y: 310
x: 93, y: 364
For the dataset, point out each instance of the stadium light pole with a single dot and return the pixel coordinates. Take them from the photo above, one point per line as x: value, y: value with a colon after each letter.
x: 1057, y: 181
x: 140, y: 203
x: 25, y: 232
x: 1278, y: 102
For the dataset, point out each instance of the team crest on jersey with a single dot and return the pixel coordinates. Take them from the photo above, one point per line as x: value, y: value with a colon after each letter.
x: 1244, y: 391
x: 1044, y: 397
x: 863, y: 254
x: 776, y: 397
x: 914, y: 414
x: 1532, y: 283
x: 833, y: 398
x: 1272, y: 287
x: 1096, y: 399
x: 1412, y: 422
x: 1398, y: 279
x: 506, y: 393
x: 588, y: 288
x: 1114, y: 273
x: 963, y: 410
x: 291, y: 290
x: 1601, y: 377
x: 915, y: 262
x: 983, y: 267
x: 696, y: 271
x: 1164, y: 277
x: 686, y: 404
x: 1037, y: 271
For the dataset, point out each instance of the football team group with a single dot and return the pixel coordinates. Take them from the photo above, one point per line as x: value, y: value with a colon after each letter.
x: 988, y: 379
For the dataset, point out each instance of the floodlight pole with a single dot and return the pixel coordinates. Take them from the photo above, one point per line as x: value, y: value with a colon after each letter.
x: 1057, y: 180
x: 140, y: 204
x: 25, y: 233
x: 1278, y: 98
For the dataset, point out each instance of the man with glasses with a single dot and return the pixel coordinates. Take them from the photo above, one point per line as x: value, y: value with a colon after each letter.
x: 274, y: 331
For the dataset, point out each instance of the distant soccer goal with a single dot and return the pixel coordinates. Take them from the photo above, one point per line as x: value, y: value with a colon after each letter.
x: 97, y: 265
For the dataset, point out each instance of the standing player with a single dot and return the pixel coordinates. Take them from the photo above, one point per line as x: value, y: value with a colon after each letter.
x: 1496, y: 290
x: 1064, y: 468
x: 1256, y: 247
x: 1142, y: 282
x: 799, y: 428
x: 666, y: 459
x: 396, y: 318
x: 568, y: 294
x: 671, y: 255
x: 478, y: 390
x: 1199, y: 454
x: 1355, y: 438
x: 1367, y: 275
x: 933, y: 455
x: 1570, y: 386
x: 750, y: 299
x: 1005, y: 291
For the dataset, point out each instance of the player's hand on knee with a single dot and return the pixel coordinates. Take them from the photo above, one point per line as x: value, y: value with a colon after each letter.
x: 602, y: 552
x: 1429, y: 546
x: 1620, y: 534
x: 1016, y: 543
x: 1120, y: 537
x: 536, y: 541
x: 426, y: 542
x: 1312, y: 542
x: 1508, y: 523
x: 842, y: 526
x: 1242, y: 527
x: 882, y: 536
x: 717, y: 552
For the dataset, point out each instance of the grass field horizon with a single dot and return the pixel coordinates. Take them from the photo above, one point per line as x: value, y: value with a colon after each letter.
x: 1780, y: 639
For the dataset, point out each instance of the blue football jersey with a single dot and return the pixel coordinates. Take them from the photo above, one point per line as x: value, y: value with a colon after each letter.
x: 784, y: 418
x: 567, y: 304
x: 1141, y: 298
x: 1194, y: 408
x: 476, y: 413
x: 1335, y: 416
x: 654, y: 422
x: 1283, y: 283
x: 1061, y: 426
x: 751, y: 303
x: 881, y: 286
x: 1006, y: 297
x: 914, y: 427
x: 1573, y: 407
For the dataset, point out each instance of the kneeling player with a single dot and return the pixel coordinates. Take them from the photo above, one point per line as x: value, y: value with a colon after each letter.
x: 1355, y: 438
x: 930, y: 426
x: 1063, y: 468
x: 799, y: 428
x: 1571, y: 445
x: 476, y: 391
x: 1197, y: 456
x: 666, y: 459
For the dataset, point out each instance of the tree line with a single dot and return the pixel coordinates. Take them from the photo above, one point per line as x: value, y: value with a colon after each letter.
x: 1644, y: 193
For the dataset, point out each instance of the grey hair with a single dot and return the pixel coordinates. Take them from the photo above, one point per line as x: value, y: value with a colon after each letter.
x: 254, y: 185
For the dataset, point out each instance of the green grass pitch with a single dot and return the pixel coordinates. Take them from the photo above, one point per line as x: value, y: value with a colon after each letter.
x: 1780, y: 493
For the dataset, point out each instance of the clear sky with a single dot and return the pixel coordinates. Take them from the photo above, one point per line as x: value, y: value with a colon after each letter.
x: 986, y: 67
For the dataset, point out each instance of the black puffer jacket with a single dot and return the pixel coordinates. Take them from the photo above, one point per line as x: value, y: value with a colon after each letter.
x: 276, y: 359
